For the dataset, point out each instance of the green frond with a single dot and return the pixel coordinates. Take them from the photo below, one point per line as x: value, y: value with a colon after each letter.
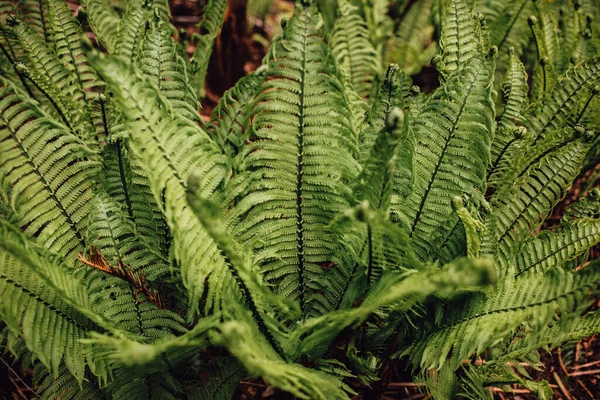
x: 552, y: 249
x: 255, y: 294
x: 483, y: 320
x: 169, y: 147
x: 65, y: 386
x: 454, y: 128
x: 394, y: 92
x: 124, y: 184
x: 398, y: 292
x: 352, y: 49
x: 66, y: 36
x: 131, y: 31
x: 586, y: 326
x: 544, y: 74
x: 156, y: 356
x: 35, y: 14
x: 508, y: 27
x: 376, y: 181
x: 210, y: 25
x: 514, y: 92
x: 159, y: 62
x: 479, y: 380
x: 53, y: 79
x: 574, y: 87
x: 460, y: 38
x: 41, y: 294
x: 51, y: 172
x: 301, y: 153
x: 245, y: 343
x: 229, y: 121
x: 104, y: 22
x: 115, y: 238
x: 523, y: 207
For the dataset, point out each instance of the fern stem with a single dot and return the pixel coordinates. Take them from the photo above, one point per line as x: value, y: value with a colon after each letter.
x: 584, y: 109
x: 370, y: 251
x: 499, y: 158
x: 299, y: 172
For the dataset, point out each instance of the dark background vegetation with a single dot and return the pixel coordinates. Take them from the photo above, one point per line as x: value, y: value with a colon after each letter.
x: 573, y: 372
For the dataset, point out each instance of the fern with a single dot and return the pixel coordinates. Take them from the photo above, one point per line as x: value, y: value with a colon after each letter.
x: 294, y: 237
x: 351, y: 46
x: 49, y: 187
x: 212, y: 20
x: 454, y: 120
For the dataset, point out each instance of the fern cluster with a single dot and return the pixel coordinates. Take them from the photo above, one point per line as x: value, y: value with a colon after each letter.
x: 328, y: 218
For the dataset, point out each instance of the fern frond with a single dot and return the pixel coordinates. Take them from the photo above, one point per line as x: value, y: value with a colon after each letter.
x: 103, y: 21
x: 172, y: 147
x: 230, y: 118
x: 352, y: 49
x: 376, y: 181
x: 123, y: 182
x: 508, y: 27
x: 487, y: 319
x: 522, y: 209
x: 302, y: 152
x: 411, y: 46
x: 256, y: 295
x: 552, y: 249
x: 65, y: 386
x: 246, y: 344
x: 66, y: 36
x: 544, y: 75
x: 159, y: 62
x: 40, y: 294
x: 35, y: 14
x: 571, y: 90
x: 460, y: 38
x: 54, y: 80
x: 514, y: 90
x: 396, y: 291
x: 212, y: 20
x: 455, y: 127
x: 131, y: 31
x: 394, y: 92
x: 51, y: 172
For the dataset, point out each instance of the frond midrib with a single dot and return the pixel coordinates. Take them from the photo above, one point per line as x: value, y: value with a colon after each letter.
x: 300, y: 167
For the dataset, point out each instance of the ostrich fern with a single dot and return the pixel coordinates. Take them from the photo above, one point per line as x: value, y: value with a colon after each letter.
x: 328, y: 218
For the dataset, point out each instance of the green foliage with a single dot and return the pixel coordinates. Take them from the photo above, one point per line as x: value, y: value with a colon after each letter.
x: 295, y: 237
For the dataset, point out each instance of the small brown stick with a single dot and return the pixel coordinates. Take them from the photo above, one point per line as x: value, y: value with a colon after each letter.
x: 588, y: 372
x: 585, y: 388
x: 562, y: 364
x: 590, y: 364
x: 10, y: 369
x: 562, y: 387
x: 404, y: 384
